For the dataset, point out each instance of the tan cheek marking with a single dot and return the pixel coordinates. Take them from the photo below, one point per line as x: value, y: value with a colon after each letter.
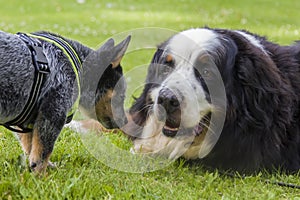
x: 25, y: 140
x: 103, y: 106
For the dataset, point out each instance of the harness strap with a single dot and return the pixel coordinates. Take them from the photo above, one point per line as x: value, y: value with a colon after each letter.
x: 40, y: 63
x: 73, y: 58
x: 41, y: 66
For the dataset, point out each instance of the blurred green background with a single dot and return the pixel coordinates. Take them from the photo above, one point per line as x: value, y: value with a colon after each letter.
x: 92, y: 21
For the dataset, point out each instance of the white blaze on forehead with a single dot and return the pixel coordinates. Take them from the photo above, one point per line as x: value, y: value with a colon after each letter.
x: 192, y: 41
x: 185, y: 48
x: 252, y: 40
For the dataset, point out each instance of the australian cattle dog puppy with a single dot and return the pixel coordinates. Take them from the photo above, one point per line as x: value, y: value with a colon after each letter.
x: 44, y: 77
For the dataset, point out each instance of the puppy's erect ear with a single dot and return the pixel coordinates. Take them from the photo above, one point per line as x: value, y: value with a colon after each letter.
x: 110, y: 54
x: 107, y: 46
x: 119, y: 52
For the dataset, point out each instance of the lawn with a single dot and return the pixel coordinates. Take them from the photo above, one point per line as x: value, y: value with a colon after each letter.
x: 82, y: 175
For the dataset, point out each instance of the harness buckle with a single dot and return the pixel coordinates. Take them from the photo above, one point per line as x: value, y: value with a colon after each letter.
x: 40, y: 60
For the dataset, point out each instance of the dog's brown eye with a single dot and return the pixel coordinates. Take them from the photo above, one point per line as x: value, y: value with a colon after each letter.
x: 205, y: 72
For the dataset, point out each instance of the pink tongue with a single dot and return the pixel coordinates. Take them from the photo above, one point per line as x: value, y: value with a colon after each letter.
x: 197, y: 130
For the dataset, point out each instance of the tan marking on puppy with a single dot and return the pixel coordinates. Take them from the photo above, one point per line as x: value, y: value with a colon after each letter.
x: 103, y: 106
x: 36, y: 154
x: 25, y: 140
x: 116, y: 62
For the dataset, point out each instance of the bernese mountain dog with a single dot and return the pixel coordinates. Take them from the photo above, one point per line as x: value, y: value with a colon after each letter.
x: 228, y: 98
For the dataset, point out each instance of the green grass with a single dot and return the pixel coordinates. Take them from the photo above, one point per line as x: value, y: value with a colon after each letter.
x: 80, y: 175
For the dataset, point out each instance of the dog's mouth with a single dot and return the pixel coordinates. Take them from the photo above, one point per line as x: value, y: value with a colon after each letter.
x: 169, y: 131
x: 173, y: 128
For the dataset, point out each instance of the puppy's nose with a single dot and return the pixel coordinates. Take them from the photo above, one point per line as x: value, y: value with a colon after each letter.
x: 168, y: 100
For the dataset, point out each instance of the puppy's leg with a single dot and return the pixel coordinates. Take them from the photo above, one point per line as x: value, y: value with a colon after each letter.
x: 48, y: 125
x: 25, y: 140
x: 26, y: 143
x: 44, y: 136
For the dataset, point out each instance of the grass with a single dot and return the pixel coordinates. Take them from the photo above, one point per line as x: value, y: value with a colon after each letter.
x: 79, y: 174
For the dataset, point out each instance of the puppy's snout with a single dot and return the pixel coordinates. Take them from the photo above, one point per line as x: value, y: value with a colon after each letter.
x: 121, y: 122
x: 33, y: 166
x: 169, y: 100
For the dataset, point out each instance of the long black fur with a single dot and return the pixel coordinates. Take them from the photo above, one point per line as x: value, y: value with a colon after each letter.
x: 262, y: 123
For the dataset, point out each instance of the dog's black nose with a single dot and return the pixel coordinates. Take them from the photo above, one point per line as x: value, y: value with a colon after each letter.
x: 168, y: 100
x: 32, y: 166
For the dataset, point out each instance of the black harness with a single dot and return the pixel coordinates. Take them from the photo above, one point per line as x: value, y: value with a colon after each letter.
x: 41, y: 65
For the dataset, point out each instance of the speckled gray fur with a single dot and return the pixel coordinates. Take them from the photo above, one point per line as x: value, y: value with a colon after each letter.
x: 59, y: 91
x: 16, y: 73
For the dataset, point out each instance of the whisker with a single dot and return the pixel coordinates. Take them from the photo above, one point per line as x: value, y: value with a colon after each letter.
x: 146, y: 107
x: 149, y: 110
x: 206, y: 122
x: 208, y: 128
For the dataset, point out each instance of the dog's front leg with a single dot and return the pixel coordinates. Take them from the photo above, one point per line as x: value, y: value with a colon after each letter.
x: 26, y: 143
x: 44, y: 136
x: 49, y: 123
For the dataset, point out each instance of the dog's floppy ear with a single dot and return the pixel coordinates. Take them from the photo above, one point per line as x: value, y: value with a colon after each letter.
x: 260, y: 84
x: 119, y: 51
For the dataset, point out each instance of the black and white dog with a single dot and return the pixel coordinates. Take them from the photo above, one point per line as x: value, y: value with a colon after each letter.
x: 228, y: 97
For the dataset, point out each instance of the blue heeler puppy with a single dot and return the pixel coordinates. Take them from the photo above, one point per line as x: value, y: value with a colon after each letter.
x: 42, y: 76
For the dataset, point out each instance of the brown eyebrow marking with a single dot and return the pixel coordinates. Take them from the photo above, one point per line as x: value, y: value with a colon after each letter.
x: 169, y: 58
